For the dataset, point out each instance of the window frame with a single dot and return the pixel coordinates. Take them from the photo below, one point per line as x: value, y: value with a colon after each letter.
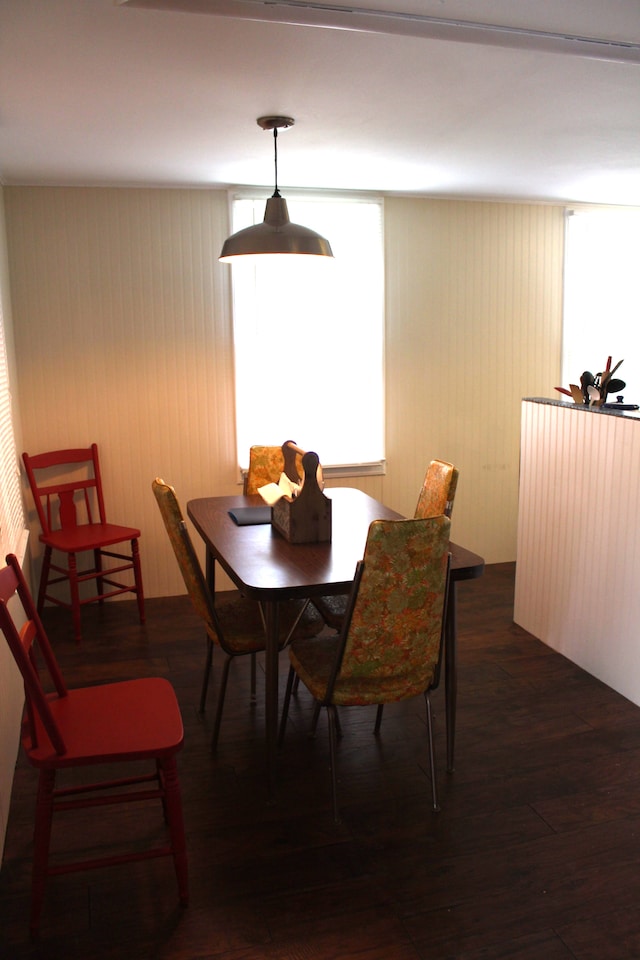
x: 375, y: 466
x: 597, y: 313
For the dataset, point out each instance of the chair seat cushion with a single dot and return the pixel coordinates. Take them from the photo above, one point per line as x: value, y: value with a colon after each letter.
x: 89, y: 536
x: 313, y: 661
x: 129, y: 720
x: 332, y: 609
x: 309, y: 625
x: 243, y: 627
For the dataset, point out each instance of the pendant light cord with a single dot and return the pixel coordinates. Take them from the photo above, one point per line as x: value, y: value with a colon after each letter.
x: 276, y: 192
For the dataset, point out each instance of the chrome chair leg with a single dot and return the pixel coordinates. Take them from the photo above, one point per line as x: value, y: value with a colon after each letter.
x: 221, y: 695
x: 376, y: 729
x: 252, y: 698
x: 332, y: 716
x: 314, y: 721
x: 207, y: 674
x: 432, y: 762
x: 285, y: 705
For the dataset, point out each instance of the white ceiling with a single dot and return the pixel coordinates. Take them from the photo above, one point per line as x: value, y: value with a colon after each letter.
x: 93, y: 92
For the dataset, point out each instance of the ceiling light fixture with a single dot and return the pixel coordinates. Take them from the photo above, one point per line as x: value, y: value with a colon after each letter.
x: 276, y: 233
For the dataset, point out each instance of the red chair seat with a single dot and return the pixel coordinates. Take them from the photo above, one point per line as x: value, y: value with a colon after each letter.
x: 129, y: 720
x: 90, y: 536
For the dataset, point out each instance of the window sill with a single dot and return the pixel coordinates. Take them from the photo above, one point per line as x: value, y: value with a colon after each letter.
x: 377, y: 468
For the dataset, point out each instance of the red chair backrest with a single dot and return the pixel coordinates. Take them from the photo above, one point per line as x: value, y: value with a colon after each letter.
x: 58, y: 493
x: 23, y: 644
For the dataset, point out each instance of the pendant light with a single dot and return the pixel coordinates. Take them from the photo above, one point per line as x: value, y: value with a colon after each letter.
x: 276, y: 234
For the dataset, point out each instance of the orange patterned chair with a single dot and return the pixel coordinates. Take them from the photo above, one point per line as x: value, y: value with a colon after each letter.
x: 237, y: 627
x: 266, y: 464
x: 435, y: 500
x: 390, y: 644
x: 438, y: 490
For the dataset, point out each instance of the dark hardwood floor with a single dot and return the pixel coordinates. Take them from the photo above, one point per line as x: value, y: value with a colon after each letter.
x: 535, y: 853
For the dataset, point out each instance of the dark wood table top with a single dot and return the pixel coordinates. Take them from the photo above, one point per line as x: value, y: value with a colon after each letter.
x: 265, y: 566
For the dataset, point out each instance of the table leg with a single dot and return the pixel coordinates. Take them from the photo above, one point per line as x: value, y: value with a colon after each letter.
x: 211, y: 573
x: 451, y: 673
x: 271, y: 611
x: 272, y: 651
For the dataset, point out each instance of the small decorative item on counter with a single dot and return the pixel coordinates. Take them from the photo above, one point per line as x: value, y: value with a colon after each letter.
x: 594, y: 390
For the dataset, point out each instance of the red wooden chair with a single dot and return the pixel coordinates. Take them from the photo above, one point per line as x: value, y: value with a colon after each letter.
x: 129, y: 721
x: 67, y: 490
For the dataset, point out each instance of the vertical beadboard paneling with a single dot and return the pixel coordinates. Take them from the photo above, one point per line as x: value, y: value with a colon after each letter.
x: 474, y: 298
x: 11, y: 687
x: 578, y: 539
x: 123, y: 336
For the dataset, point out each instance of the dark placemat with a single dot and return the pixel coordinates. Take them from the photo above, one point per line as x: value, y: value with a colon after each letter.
x: 248, y: 516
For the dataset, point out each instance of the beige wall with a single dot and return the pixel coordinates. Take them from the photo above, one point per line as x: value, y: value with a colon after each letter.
x: 474, y: 310
x: 11, y: 692
x: 123, y: 336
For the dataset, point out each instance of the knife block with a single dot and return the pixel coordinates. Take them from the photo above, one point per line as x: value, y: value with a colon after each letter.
x: 307, y: 518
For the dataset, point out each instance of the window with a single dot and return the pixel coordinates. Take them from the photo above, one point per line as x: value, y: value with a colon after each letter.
x: 309, y: 336
x: 11, y: 510
x: 601, y: 296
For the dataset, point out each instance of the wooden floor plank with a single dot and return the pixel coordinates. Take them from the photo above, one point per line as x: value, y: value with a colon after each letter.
x: 533, y: 855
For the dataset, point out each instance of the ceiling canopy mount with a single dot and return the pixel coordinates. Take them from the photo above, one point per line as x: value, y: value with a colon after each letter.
x: 275, y: 123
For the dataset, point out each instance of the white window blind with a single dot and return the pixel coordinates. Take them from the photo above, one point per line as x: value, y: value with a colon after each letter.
x: 12, y: 521
x: 309, y: 335
x: 602, y: 292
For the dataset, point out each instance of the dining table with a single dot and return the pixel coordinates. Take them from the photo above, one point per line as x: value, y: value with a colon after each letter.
x: 266, y: 567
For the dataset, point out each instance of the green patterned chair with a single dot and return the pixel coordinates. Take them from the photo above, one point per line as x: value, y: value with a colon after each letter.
x: 390, y: 644
x: 435, y: 500
x: 236, y: 626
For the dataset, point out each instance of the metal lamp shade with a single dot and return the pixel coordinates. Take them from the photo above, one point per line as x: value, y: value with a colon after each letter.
x: 276, y: 234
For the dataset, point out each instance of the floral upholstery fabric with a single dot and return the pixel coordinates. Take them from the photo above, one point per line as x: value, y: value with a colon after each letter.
x: 393, y: 644
x: 265, y: 466
x: 435, y: 500
x: 438, y: 490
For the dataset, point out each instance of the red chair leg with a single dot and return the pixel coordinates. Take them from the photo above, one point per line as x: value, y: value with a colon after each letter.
x: 137, y: 572
x: 41, y: 840
x: 75, y: 597
x: 44, y: 577
x: 173, y: 809
x: 97, y: 563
